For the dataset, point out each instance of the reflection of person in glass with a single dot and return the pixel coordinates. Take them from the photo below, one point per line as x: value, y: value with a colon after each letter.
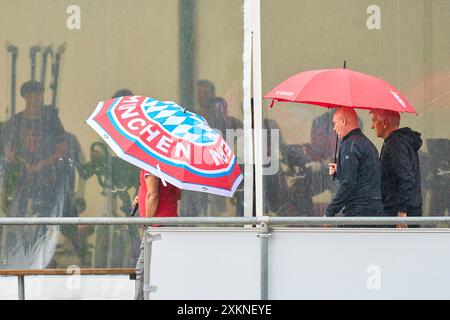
x: 220, y: 120
x: 400, y: 168
x: 357, y: 170
x: 279, y: 194
x: 196, y: 203
x: 215, y: 110
x: 155, y: 200
x: 35, y: 145
x: 206, y: 92
x: 115, y: 246
x: 35, y: 139
x: 305, y: 170
x: 435, y: 173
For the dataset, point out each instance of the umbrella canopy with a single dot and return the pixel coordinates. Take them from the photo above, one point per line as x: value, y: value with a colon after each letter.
x: 176, y: 145
x: 334, y: 88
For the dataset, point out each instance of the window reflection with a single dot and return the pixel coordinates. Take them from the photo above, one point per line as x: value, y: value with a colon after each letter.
x: 78, y: 64
x: 423, y: 78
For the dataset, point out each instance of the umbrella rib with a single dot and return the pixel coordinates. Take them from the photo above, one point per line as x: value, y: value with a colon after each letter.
x: 160, y: 175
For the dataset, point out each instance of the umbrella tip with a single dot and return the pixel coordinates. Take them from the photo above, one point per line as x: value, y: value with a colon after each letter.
x: 345, y: 64
x: 185, y: 109
x: 271, y: 105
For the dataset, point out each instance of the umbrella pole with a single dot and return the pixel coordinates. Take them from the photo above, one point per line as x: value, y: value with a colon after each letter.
x: 337, y: 137
x: 335, y: 155
x: 110, y: 209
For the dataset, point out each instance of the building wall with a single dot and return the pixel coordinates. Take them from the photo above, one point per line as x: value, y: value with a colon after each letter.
x: 136, y: 44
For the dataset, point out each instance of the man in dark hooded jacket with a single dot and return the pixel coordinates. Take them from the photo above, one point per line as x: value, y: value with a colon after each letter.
x: 400, y: 168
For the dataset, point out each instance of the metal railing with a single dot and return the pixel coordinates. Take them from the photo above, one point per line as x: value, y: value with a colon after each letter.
x: 263, y: 223
x: 225, y: 221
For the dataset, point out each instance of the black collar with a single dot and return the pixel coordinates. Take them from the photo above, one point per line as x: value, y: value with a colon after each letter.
x: 392, y: 134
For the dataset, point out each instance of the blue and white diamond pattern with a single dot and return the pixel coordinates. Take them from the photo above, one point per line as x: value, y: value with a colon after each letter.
x: 185, y: 125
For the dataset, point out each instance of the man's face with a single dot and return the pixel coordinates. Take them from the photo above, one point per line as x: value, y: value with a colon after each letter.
x: 35, y: 99
x: 377, y: 125
x: 204, y: 96
x: 338, y: 123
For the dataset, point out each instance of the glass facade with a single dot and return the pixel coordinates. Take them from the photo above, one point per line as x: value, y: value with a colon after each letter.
x: 402, y: 42
x: 193, y: 52
x: 83, y: 52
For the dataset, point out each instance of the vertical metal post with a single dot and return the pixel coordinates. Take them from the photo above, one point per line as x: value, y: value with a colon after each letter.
x: 264, y: 258
x: 247, y: 108
x: 109, y: 207
x: 257, y: 105
x: 21, y: 287
x: 148, y: 240
x: 186, y: 16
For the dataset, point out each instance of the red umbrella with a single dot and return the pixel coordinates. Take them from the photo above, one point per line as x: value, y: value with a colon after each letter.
x: 334, y: 88
x: 165, y: 139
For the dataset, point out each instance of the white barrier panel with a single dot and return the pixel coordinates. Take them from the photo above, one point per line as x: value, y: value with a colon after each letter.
x: 224, y: 263
x: 84, y: 287
x: 303, y: 264
x: 205, y: 263
x: 360, y: 264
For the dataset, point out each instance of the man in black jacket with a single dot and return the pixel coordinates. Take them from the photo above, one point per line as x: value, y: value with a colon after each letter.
x: 357, y: 170
x: 400, y: 168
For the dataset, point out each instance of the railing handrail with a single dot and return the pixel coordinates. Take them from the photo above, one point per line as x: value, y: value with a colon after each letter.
x: 66, y: 271
x: 223, y: 221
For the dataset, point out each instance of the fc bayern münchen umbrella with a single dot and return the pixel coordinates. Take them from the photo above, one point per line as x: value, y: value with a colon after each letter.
x: 170, y: 142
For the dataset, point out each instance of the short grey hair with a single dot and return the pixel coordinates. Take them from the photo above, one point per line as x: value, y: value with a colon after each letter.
x: 391, y: 117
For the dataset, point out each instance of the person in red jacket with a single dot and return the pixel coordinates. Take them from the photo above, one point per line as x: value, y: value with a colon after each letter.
x: 154, y: 200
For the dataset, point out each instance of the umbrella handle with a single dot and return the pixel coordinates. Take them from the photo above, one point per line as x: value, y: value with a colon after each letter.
x: 135, y: 207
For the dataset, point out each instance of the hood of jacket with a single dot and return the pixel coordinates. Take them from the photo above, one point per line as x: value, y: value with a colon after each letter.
x: 409, y: 136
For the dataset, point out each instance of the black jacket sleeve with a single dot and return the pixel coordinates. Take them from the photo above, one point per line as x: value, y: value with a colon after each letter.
x: 347, y: 173
x: 404, y: 175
